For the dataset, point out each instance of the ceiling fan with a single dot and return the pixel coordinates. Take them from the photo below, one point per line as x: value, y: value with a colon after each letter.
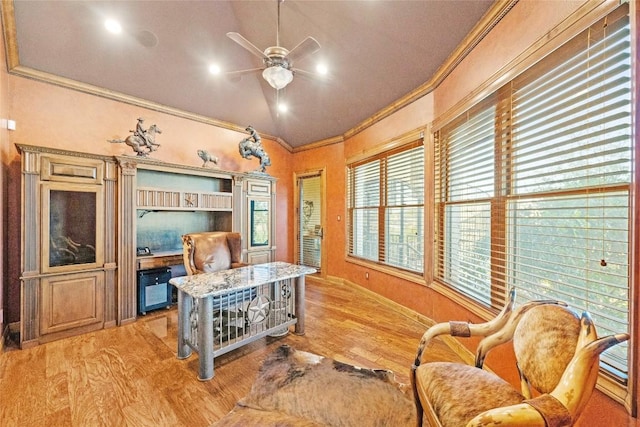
x: 278, y: 62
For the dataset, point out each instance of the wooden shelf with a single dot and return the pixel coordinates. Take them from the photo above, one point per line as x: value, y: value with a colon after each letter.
x: 159, y: 199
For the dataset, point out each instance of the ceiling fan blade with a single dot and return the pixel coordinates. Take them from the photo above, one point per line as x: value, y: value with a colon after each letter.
x: 305, y: 73
x: 236, y: 37
x: 310, y: 75
x: 306, y: 47
x: 242, y: 72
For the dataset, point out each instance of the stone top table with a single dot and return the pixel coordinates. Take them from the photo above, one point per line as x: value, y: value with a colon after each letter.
x: 241, y: 304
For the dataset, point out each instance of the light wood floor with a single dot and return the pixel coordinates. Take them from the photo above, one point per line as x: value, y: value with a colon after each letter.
x: 130, y: 376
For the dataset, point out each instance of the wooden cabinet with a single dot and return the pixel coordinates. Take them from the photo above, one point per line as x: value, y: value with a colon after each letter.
x: 173, y: 201
x: 68, y: 280
x: 84, y: 216
x: 158, y: 203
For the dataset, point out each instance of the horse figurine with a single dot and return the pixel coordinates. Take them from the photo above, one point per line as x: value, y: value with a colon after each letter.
x: 252, y: 147
x: 141, y: 141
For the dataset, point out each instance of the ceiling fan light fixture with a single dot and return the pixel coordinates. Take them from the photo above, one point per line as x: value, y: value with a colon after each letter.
x: 278, y: 77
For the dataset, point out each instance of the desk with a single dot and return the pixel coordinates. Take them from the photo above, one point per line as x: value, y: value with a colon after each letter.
x: 219, y: 312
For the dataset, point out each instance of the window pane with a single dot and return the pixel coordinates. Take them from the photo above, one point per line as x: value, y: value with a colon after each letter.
x: 365, y: 233
x: 367, y: 185
x: 575, y: 249
x: 405, y: 238
x: 405, y: 178
x: 386, y: 208
x: 468, y: 249
x: 470, y: 154
x: 572, y: 124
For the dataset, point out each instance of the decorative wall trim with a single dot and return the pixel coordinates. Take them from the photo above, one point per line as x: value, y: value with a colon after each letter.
x: 493, y: 16
x: 576, y: 22
x: 319, y: 144
x: 390, y: 144
x: 14, y: 67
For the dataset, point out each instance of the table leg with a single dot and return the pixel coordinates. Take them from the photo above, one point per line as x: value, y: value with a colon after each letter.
x: 205, y: 338
x: 184, y: 328
x: 299, y: 328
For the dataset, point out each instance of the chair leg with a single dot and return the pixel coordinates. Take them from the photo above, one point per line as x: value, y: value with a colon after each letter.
x: 416, y: 397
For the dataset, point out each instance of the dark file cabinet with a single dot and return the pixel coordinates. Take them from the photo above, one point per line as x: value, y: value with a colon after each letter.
x: 154, y: 290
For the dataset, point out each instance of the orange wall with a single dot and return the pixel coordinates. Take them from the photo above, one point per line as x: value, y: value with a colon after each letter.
x: 331, y: 160
x: 530, y: 21
x: 52, y: 116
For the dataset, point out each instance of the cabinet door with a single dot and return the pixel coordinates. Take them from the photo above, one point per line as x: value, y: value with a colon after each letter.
x: 258, y: 231
x: 259, y: 257
x: 71, y: 301
x: 259, y: 223
x: 72, y: 227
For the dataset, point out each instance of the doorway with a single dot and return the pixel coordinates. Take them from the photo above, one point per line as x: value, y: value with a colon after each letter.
x: 310, y: 219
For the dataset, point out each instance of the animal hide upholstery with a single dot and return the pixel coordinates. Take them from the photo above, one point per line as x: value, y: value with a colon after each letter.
x: 296, y: 388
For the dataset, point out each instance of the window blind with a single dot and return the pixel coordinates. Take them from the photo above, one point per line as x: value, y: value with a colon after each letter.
x: 570, y: 159
x: 386, y: 208
x: 465, y: 165
x: 533, y: 185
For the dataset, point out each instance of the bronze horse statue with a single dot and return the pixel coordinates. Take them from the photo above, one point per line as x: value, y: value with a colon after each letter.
x: 252, y: 146
x: 142, y: 144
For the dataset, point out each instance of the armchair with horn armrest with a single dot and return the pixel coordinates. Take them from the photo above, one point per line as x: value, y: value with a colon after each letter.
x: 557, y: 354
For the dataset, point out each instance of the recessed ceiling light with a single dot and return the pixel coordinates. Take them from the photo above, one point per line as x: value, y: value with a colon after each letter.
x: 113, y: 26
x: 146, y: 38
x: 282, y: 107
x: 322, y: 69
x: 214, y: 69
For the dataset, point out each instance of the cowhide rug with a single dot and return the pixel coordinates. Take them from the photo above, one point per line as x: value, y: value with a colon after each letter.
x: 295, y: 388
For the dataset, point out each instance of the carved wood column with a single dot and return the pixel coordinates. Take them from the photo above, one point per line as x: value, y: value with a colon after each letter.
x: 126, y: 241
x: 238, y: 205
x: 30, y: 281
x: 110, y: 244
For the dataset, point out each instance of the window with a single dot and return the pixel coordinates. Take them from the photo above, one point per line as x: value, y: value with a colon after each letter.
x: 386, y: 208
x: 533, y: 185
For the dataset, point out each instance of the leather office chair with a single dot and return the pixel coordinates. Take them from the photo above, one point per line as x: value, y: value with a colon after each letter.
x: 557, y: 354
x: 211, y: 251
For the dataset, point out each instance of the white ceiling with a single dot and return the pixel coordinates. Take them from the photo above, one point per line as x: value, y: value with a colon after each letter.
x: 377, y: 52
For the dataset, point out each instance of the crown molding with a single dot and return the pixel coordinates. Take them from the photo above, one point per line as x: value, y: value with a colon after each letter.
x: 491, y: 18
